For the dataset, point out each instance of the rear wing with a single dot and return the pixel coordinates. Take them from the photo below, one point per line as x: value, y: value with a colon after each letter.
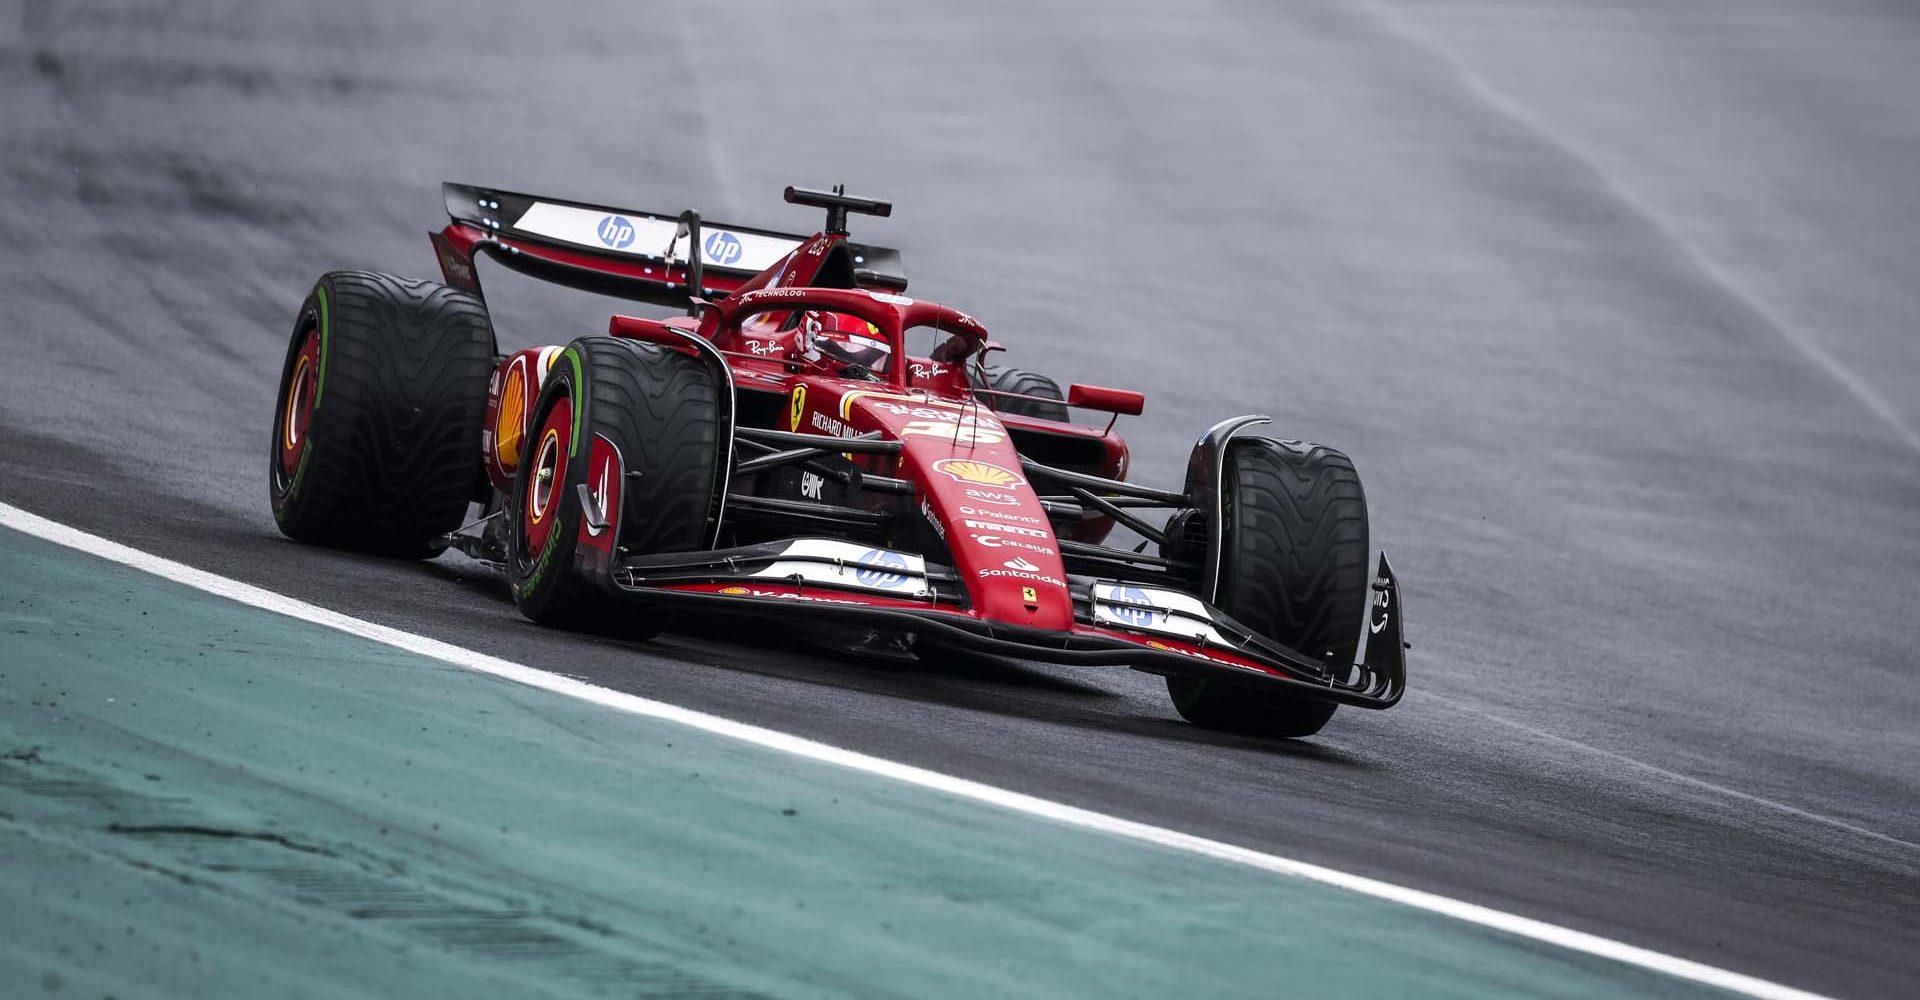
x: 628, y: 253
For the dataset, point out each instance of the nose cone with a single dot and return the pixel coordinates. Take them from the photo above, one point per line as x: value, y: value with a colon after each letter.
x: 978, y: 499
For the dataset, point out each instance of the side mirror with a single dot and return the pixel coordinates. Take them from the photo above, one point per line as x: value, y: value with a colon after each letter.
x: 1093, y: 397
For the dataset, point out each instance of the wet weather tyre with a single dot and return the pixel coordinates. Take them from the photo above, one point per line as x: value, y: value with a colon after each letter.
x: 636, y: 428
x: 1025, y: 383
x: 376, y: 434
x: 1293, y: 568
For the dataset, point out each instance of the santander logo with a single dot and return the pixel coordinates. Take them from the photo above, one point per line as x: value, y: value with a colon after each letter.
x: 1021, y: 564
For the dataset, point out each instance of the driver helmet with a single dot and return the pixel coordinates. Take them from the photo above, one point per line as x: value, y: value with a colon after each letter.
x: 848, y: 339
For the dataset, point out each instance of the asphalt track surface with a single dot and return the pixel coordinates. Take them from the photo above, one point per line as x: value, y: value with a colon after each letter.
x: 1613, y: 305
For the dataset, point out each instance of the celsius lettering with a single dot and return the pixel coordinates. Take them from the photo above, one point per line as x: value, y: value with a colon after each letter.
x: 996, y: 542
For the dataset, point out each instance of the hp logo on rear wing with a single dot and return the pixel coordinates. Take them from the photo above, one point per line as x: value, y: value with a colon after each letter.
x: 722, y: 248
x: 616, y: 231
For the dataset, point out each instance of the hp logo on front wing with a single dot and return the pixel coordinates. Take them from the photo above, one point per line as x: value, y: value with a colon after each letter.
x: 877, y: 568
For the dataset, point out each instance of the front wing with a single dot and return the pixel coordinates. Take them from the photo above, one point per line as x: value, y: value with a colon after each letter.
x: 1116, y: 623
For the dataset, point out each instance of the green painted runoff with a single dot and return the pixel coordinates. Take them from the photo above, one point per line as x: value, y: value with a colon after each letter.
x: 199, y: 798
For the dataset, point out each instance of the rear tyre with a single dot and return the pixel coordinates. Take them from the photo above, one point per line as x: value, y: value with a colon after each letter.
x: 1293, y: 568
x: 376, y: 436
x: 1027, y: 384
x: 637, y: 425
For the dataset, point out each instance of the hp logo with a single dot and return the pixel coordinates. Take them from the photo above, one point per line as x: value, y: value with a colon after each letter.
x: 1136, y: 617
x: 722, y: 248
x: 615, y: 231
x: 877, y: 564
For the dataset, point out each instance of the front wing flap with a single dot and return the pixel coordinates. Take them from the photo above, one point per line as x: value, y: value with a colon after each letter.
x: 1116, y: 623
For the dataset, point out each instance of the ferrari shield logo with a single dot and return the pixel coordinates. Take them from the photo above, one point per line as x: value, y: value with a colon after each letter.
x: 799, y: 407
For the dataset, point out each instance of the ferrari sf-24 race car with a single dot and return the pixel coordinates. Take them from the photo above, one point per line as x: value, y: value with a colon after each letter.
x: 788, y: 449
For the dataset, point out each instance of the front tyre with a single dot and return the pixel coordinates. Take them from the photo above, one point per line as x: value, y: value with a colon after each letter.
x: 1293, y: 567
x: 376, y: 435
x: 1026, y: 383
x: 634, y: 430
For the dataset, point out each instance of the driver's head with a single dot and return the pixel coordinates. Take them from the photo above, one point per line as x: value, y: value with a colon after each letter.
x: 848, y: 339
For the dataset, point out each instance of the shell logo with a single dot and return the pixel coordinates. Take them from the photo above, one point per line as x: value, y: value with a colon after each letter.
x: 962, y: 470
x: 509, y: 430
x: 734, y: 591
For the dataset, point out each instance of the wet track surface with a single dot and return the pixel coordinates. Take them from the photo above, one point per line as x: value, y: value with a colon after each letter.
x: 1614, y: 308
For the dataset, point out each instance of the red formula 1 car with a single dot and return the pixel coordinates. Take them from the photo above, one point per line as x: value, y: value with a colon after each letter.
x: 811, y: 445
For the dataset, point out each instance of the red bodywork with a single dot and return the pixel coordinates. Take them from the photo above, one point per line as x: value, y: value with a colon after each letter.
x: 986, y: 520
x: 958, y: 449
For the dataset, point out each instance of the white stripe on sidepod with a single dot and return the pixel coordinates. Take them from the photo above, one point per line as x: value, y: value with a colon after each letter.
x: 246, y: 593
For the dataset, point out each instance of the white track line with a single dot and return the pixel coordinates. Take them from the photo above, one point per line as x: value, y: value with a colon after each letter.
x: 1681, y: 779
x: 1709, y: 268
x: 245, y: 593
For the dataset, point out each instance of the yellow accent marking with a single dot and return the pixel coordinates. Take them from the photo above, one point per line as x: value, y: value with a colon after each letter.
x: 509, y: 428
x: 293, y: 401
x: 540, y: 513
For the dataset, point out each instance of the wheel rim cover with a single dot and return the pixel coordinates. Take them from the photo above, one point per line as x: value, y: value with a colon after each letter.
x: 547, y: 476
x: 296, y: 406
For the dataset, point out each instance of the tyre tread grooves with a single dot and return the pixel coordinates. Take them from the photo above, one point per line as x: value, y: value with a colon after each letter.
x: 395, y: 438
